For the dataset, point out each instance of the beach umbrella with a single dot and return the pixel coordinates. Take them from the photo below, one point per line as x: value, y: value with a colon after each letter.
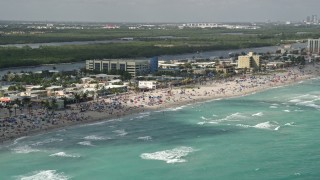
x: 5, y: 99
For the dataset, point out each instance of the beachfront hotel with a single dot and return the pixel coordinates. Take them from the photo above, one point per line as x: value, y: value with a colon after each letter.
x: 134, y: 67
x: 314, y: 46
x: 251, y: 62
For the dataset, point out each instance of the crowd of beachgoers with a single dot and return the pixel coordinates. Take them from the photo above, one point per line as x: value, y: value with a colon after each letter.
x: 38, y: 119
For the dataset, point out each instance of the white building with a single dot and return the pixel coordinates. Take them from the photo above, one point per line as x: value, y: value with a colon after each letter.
x: 147, y: 84
x: 51, y: 90
x: 314, y: 46
x: 134, y: 67
x: 201, y: 25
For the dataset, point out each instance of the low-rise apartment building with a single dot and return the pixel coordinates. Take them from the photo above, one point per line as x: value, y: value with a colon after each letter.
x: 134, y: 67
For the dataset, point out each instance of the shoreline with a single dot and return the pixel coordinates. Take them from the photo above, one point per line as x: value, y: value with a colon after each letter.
x: 181, y: 96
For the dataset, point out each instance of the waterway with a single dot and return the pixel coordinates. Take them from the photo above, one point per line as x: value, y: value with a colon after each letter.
x: 38, y: 45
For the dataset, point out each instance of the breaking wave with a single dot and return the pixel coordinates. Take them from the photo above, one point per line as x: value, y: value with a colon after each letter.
x: 169, y: 156
x: 268, y: 125
x: 290, y: 124
x: 202, y: 117
x: 63, y: 154
x: 258, y: 114
x: 45, y: 175
x: 95, y: 138
x: 143, y: 115
x: 47, y: 141
x: 25, y: 149
x: 175, y: 109
x: 16, y: 141
x: 233, y: 117
x: 120, y: 132
x: 201, y: 123
x: 265, y: 125
x: 145, y: 138
x: 85, y: 143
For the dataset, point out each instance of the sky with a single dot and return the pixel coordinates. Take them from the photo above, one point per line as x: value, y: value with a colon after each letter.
x: 158, y: 10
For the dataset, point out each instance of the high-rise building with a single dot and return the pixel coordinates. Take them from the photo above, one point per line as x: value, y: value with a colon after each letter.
x: 314, y: 19
x: 308, y: 19
x: 313, y: 46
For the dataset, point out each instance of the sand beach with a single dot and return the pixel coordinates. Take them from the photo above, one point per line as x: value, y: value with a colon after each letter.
x: 38, y: 120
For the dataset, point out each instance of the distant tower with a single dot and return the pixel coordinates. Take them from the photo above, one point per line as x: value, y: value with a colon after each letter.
x: 314, y: 19
x: 308, y: 19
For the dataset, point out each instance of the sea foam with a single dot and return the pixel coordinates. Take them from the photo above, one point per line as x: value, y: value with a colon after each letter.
x: 202, y: 117
x: 258, y: 114
x: 243, y: 125
x: 120, y: 132
x: 63, y: 154
x: 16, y: 141
x: 169, y: 156
x: 265, y: 125
x: 201, y: 123
x: 85, y: 143
x: 143, y: 115
x: 295, y: 100
x: 48, y: 141
x: 95, y: 138
x: 290, y: 124
x: 175, y: 109
x: 45, y: 174
x: 273, y: 107
x: 268, y: 125
x: 145, y: 138
x: 234, y: 117
x: 24, y: 149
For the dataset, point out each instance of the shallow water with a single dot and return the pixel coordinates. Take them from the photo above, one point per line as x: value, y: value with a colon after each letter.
x: 268, y: 135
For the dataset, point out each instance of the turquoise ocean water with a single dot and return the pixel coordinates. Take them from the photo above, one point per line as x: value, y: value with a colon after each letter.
x: 267, y: 135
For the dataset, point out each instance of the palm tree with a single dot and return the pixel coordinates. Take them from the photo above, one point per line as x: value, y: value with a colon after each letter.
x: 15, y: 109
x: 46, y: 104
x: 26, y: 100
x: 103, y: 90
x: 77, y: 97
x: 9, y: 109
x: 29, y: 107
x: 54, y: 105
x: 85, y: 96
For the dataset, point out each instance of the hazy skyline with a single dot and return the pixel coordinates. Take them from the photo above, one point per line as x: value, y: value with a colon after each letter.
x: 158, y: 10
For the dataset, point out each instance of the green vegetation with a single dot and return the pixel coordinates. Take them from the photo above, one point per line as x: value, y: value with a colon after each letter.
x: 45, y: 79
x: 148, y: 43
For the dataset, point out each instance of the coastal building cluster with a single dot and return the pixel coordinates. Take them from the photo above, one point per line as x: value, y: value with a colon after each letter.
x: 109, y: 76
x: 215, y: 25
x: 114, y: 87
x: 313, y: 19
